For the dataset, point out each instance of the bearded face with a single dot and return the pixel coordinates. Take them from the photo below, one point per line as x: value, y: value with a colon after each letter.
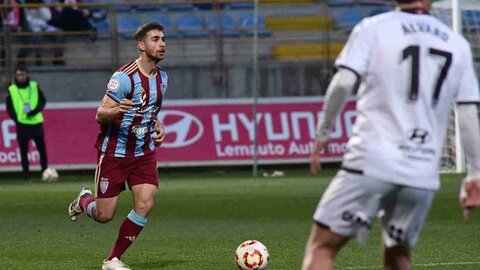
x: 153, y: 45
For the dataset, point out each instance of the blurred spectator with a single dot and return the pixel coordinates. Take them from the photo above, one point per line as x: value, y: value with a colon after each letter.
x: 14, y: 19
x: 37, y: 19
x: 25, y: 102
x: 71, y: 18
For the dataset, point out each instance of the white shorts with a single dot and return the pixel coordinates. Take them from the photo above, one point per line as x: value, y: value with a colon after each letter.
x: 353, y: 200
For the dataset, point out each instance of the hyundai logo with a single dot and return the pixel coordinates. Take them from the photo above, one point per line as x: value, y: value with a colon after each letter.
x: 419, y: 136
x: 181, y: 128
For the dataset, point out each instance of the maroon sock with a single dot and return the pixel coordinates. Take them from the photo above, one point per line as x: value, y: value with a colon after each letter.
x: 85, y: 201
x: 127, y: 234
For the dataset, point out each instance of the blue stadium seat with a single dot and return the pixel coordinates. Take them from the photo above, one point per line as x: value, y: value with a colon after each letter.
x: 241, y: 5
x: 127, y: 25
x: 349, y: 18
x: 148, y: 8
x: 227, y: 23
x: 471, y: 16
x: 339, y: 3
x: 471, y: 20
x: 103, y: 29
x: 378, y: 10
x: 189, y: 25
x: 119, y: 8
x: 247, y: 22
x: 207, y: 6
x: 170, y: 31
x: 181, y: 6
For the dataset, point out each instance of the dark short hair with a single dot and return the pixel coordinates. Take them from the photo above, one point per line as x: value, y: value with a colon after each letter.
x: 142, y: 31
x: 21, y: 68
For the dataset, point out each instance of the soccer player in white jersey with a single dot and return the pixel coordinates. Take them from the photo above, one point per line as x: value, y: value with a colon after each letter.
x: 412, y: 68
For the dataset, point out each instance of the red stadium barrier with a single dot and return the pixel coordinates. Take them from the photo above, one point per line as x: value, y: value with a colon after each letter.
x: 199, y: 132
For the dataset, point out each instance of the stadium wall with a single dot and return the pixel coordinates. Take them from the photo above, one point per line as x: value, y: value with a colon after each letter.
x: 198, y: 132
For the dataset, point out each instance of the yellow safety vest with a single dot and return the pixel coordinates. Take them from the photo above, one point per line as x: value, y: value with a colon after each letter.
x: 25, y: 100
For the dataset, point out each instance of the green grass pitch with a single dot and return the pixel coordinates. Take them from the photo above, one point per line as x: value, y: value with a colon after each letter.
x: 199, y: 220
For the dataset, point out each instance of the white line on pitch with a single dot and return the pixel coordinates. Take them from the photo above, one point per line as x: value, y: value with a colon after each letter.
x: 419, y: 265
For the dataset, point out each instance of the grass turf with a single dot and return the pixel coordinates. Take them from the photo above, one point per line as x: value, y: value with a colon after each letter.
x: 200, y: 219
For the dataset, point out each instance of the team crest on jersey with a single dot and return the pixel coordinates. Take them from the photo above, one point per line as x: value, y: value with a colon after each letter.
x: 113, y: 84
x: 103, y: 184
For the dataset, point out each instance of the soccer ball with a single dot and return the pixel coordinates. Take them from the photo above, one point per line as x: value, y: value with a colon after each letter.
x: 49, y: 175
x: 252, y: 254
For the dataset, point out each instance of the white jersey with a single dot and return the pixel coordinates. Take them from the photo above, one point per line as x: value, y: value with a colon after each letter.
x: 413, y: 67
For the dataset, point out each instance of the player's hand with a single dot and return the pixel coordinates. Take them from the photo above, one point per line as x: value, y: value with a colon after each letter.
x: 159, y: 133
x: 315, y: 166
x: 125, y: 105
x: 469, y: 197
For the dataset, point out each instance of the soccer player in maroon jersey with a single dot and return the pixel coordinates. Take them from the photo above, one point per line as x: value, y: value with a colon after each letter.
x: 129, y: 132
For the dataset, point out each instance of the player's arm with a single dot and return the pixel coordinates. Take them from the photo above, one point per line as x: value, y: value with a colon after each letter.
x: 114, y: 104
x: 110, y: 110
x: 469, y: 126
x: 159, y: 128
x: 341, y: 87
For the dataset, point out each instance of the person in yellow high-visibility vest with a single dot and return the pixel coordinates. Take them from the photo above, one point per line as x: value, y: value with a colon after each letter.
x: 25, y: 102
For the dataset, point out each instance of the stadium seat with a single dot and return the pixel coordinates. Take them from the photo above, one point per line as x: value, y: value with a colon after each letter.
x: 378, y: 10
x: 471, y: 20
x: 247, y: 23
x: 303, y: 23
x: 374, y: 2
x: 471, y: 16
x: 208, y: 6
x: 349, y: 18
x: 119, y: 8
x: 127, y: 25
x: 288, y: 52
x: 103, y: 29
x: 241, y: 5
x: 142, y: 8
x: 340, y: 3
x: 170, y: 31
x: 181, y: 6
x: 227, y: 23
x: 189, y: 25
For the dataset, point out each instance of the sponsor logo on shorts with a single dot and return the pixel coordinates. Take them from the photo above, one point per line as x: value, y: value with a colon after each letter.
x: 396, y: 233
x: 356, y: 218
x: 181, y: 128
x: 103, y: 185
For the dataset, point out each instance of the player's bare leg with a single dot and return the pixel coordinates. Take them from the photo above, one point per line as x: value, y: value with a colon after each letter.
x: 397, y: 258
x: 143, y: 196
x: 100, y: 210
x: 322, y: 247
x: 104, y: 210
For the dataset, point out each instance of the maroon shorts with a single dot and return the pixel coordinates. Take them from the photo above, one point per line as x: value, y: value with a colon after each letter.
x: 113, y: 172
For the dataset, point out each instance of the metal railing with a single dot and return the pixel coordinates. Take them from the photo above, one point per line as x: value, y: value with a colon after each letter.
x: 213, y: 62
